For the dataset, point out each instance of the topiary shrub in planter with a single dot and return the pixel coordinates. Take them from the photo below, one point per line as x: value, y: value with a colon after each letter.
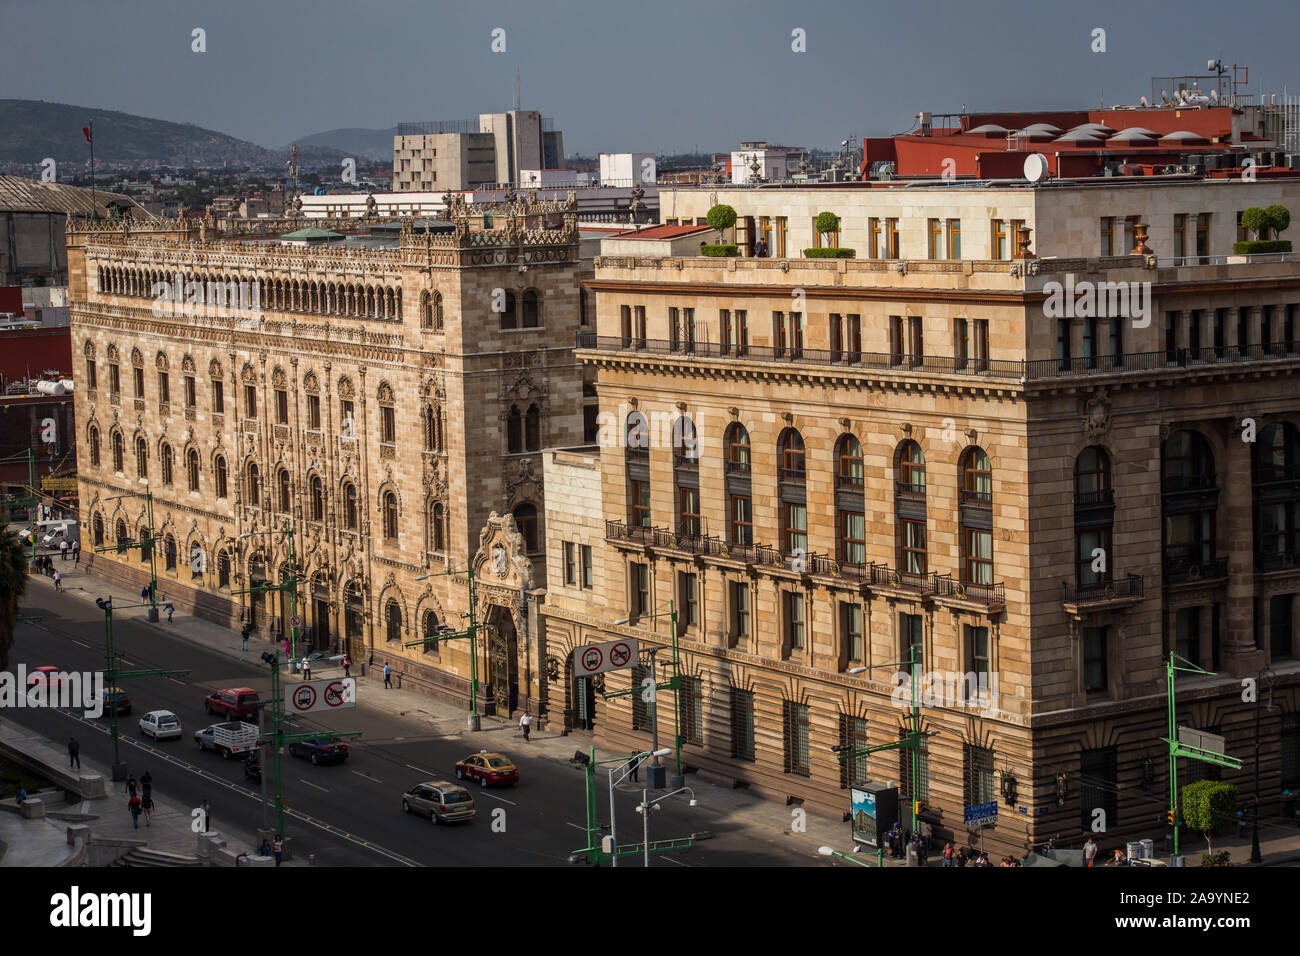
x: 1261, y: 246
x: 1207, y: 806
x: 721, y: 249
x: 1222, y: 858
x: 830, y: 253
x: 721, y: 217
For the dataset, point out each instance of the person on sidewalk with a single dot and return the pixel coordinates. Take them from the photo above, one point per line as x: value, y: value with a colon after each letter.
x: 306, y: 668
x: 134, y: 806
x: 146, y: 804
x: 74, y: 753
x: 22, y: 794
x: 58, y: 581
x: 388, y: 675
x: 949, y: 856
x: 207, y: 816
x: 144, y: 593
x: 265, y: 848
x: 63, y: 550
x: 634, y: 767
x: 285, y: 644
x: 347, y: 666
x: 525, y: 724
x: 1089, y: 852
x: 243, y: 639
x: 131, y: 785
x: 277, y: 847
x: 76, y: 554
x: 170, y: 608
x: 146, y: 783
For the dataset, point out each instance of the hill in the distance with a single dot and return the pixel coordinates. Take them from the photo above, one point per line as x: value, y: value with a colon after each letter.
x: 31, y: 130
x: 375, y: 144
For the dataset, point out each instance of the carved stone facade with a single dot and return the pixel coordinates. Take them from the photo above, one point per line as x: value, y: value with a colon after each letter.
x: 359, y: 394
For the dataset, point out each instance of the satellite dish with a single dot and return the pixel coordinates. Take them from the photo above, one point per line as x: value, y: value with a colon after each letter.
x: 1035, y: 167
x: 1214, y: 96
x: 1143, y: 101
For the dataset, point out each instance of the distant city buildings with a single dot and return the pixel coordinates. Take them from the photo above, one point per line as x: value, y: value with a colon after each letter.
x: 454, y: 155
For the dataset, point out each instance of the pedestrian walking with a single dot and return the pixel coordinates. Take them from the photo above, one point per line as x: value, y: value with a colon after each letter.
x: 58, y: 581
x: 22, y: 794
x: 277, y: 847
x: 1089, y: 852
x: 306, y: 668
x: 63, y: 550
x: 131, y: 785
x: 949, y: 856
x: 146, y: 804
x: 961, y: 857
x: 388, y: 676
x: 285, y: 644
x: 144, y: 593
x: 525, y: 724
x: 207, y: 816
x: 134, y: 806
x: 243, y: 638
x: 76, y: 553
x: 347, y: 666
x: 170, y: 608
x: 146, y: 783
x: 74, y: 753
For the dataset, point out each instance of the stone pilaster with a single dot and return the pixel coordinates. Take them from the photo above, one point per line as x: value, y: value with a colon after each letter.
x: 1240, y: 656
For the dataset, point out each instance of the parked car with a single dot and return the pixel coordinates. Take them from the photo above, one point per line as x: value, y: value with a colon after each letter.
x: 230, y: 738
x: 26, y: 535
x: 443, y: 801
x: 160, y: 725
x: 55, y: 535
x: 239, y: 703
x: 253, y: 766
x: 488, y: 769
x: 50, y: 676
x: 116, y: 701
x: 319, y: 750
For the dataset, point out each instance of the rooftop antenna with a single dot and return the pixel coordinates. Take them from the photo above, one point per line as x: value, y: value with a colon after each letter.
x: 517, y: 95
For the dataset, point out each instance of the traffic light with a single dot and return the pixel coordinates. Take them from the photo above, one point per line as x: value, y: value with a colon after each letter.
x: 1169, y: 815
x: 918, y: 807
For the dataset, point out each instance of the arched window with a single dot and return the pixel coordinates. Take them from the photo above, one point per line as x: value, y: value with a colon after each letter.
x: 849, y: 456
x: 390, y: 515
x: 1094, y: 516
x: 1276, y: 493
x: 169, y: 553
x: 220, y: 469
x: 393, y: 621
x: 514, y: 431
x: 120, y: 537
x: 526, y: 521
x: 165, y: 461
x: 850, y: 524
x: 223, y: 570
x: 792, y: 476
x: 430, y: 633
x: 532, y: 310
x: 738, y: 456
x: 254, y: 486
x: 141, y: 458
x: 508, y: 319
x: 909, y: 509
x: 533, y: 428
x: 97, y: 527
x: 286, y: 490
x: 790, y: 452
x: 432, y: 418
x: 350, y: 506
x: 740, y: 504
x: 638, y: 436
x: 93, y: 442
x: 317, y: 498
x: 438, y: 528
x: 686, y: 477
x: 638, y: 470
x: 976, y: 517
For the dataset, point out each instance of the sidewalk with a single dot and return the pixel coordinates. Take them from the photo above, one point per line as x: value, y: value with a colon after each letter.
x: 1279, y: 841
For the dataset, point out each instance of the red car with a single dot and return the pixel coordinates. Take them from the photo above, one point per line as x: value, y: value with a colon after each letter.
x: 235, y: 703
x: 488, y: 769
x: 50, y: 676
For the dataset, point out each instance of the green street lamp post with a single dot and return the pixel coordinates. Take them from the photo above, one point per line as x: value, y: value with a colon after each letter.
x: 655, y: 772
x: 597, y: 851
x: 828, y: 851
x: 473, y: 722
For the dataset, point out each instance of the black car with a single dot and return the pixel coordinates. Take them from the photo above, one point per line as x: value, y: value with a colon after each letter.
x: 116, y: 701
x: 253, y: 767
x: 319, y: 750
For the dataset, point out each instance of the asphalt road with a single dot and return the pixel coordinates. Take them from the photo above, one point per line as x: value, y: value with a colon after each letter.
x: 350, y: 813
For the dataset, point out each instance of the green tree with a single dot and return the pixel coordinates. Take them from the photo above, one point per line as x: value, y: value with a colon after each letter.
x: 721, y: 217
x: 1279, y: 218
x: 1207, y: 806
x: 827, y: 225
x: 13, y: 584
x: 1256, y: 219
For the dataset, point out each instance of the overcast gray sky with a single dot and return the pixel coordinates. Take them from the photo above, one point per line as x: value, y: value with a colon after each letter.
x: 619, y: 75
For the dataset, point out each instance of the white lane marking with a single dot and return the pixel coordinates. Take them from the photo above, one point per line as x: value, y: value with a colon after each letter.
x: 502, y: 799
x: 175, y: 681
x: 125, y: 661
x: 422, y: 770
x: 575, y: 826
x: 310, y: 784
x: 671, y: 860
x: 75, y: 641
x: 367, y: 776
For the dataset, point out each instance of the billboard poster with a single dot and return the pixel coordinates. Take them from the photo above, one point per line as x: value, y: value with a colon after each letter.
x: 864, y: 816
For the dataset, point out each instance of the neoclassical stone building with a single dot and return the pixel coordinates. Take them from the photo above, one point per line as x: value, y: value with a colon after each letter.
x: 820, y: 463
x: 381, y: 388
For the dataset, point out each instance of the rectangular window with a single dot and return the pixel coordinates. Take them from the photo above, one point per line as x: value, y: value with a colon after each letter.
x: 688, y: 600
x: 934, y: 247
x: 250, y: 401
x: 347, y: 424
x: 387, y: 424
x: 139, y: 383
x: 639, y: 493
x: 1203, y: 234
x: 739, y: 610
x: 853, y: 537
x: 570, y: 564
x: 978, y: 654
x: 674, y: 323
x: 688, y: 521
x: 1107, y: 236
x: 1017, y: 233
x: 1243, y: 234
x: 1130, y: 235
x: 795, y: 738
x: 742, y: 520
x: 1099, y: 785
x: 913, y: 761
x: 1194, y: 321
x: 1220, y: 323
x: 640, y: 589
x: 1243, y: 331
x: 1171, y: 337
x: 960, y: 342
x: 164, y: 388
x: 795, y: 520
x: 979, y: 775
x: 218, y: 397
x: 692, y: 697
x: 91, y: 380
x: 979, y: 344
x: 998, y: 239
x: 954, y: 238
x: 1115, y: 344
x: 742, y: 724
x: 794, y: 620
x: 114, y: 379
x: 1290, y: 757
x: 914, y: 550
x: 191, y: 392
x: 282, y: 406
x: 912, y: 635
x: 979, y: 556
x: 851, y: 632
x: 1180, y: 235
x: 895, y: 340
x: 313, y: 412
x: 1094, y: 659
x: 1187, y: 634
x: 853, y: 736
x: 915, y: 340
x: 1063, y: 359
x: 1266, y: 333
x: 587, y: 570
x: 874, y: 237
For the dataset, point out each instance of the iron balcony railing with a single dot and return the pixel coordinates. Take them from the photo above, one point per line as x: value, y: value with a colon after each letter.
x: 971, y: 496
x: 1125, y: 588
x: 909, y: 489
x: 1276, y: 561
x: 1095, y: 499
x: 1174, y: 484
x: 990, y: 368
x: 987, y: 594
x: 1180, y: 568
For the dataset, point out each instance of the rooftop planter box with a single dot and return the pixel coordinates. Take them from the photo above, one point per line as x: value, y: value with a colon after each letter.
x: 830, y: 253
x: 721, y: 249
x: 1258, y: 246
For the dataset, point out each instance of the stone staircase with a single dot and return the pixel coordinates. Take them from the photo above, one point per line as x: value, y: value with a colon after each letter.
x: 145, y: 857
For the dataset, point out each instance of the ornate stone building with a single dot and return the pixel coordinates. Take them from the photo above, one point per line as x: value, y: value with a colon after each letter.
x: 818, y: 464
x: 381, y: 388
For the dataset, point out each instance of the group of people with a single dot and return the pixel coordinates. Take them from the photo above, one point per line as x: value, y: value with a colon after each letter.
x: 45, y: 565
x: 273, y: 848
x: 140, y: 798
x: 67, y: 547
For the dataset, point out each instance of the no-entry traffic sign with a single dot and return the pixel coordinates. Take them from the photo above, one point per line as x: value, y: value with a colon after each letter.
x: 322, y: 695
x: 599, y: 658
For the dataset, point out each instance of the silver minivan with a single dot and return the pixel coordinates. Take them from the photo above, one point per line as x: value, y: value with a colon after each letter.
x: 444, y: 802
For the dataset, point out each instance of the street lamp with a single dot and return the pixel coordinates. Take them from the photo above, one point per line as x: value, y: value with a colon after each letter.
x: 644, y: 809
x: 471, y: 631
x: 1264, y: 678
x: 827, y: 851
x: 655, y: 772
x: 148, y: 542
x: 628, y: 768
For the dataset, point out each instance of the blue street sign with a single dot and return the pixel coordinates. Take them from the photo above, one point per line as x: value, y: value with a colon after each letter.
x: 981, y: 815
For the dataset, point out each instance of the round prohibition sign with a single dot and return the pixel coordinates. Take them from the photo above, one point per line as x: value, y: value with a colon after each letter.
x: 336, y: 693
x: 304, y: 698
x: 592, y: 658
x: 620, y: 654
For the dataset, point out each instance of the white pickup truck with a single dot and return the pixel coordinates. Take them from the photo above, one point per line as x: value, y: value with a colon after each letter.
x: 230, y: 738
